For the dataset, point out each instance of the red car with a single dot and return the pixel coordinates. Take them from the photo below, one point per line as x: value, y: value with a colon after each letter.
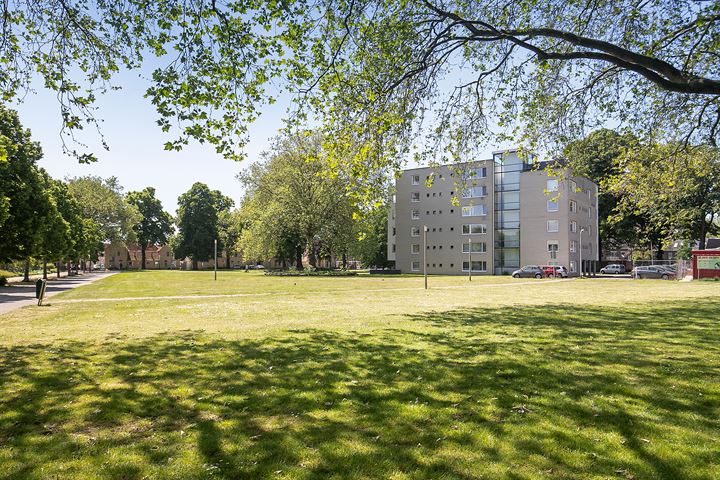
x: 553, y: 271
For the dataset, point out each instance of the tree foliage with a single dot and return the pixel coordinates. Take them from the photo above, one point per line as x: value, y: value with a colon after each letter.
x: 104, y: 202
x: 197, y: 221
x: 155, y: 225
x: 678, y: 191
x: 380, y: 74
x: 292, y: 206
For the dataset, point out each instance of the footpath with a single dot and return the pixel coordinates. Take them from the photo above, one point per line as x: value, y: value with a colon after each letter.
x: 19, y: 295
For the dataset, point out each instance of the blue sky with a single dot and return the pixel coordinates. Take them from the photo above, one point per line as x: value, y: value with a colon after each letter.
x: 136, y: 155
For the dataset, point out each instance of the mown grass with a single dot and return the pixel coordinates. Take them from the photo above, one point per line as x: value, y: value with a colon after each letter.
x: 580, y: 379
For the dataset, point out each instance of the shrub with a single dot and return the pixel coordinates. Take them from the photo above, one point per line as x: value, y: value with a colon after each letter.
x: 4, y: 275
x: 310, y: 273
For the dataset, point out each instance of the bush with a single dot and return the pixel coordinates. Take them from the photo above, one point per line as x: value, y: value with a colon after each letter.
x: 4, y: 275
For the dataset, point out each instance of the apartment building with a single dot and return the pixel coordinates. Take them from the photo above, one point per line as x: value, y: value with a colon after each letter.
x: 492, y: 216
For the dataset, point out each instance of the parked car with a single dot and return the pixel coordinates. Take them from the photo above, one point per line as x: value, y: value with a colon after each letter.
x: 613, y: 268
x: 529, y: 271
x: 553, y: 271
x: 651, y: 271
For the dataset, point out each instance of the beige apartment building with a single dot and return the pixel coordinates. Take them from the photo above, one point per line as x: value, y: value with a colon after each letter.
x: 492, y: 216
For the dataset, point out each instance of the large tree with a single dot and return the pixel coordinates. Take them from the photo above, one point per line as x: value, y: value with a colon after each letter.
x: 677, y: 190
x: 104, y: 202
x: 197, y: 221
x: 379, y: 73
x: 290, y: 196
x: 155, y: 225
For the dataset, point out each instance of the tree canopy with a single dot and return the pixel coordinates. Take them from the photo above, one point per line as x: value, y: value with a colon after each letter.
x: 155, y: 225
x: 378, y: 74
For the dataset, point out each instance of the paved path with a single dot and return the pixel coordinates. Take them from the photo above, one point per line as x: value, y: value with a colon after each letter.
x: 52, y: 275
x: 17, y: 296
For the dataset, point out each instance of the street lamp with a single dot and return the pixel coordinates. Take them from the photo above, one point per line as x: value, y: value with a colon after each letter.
x: 425, y: 230
x: 581, y: 264
x: 215, y: 262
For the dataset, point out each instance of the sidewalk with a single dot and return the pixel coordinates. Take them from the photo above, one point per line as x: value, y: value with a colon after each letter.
x: 51, y: 276
x: 16, y: 296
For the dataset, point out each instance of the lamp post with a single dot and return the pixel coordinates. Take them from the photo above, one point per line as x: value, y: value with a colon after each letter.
x: 425, y: 229
x: 581, y: 264
x: 469, y: 259
x: 215, y: 259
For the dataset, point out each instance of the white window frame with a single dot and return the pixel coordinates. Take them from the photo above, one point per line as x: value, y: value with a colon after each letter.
x: 469, y: 210
x: 416, y: 179
x: 573, y: 246
x: 415, y: 197
x: 573, y: 266
x: 557, y: 226
x: 573, y: 226
x: 481, y: 245
x: 573, y: 186
x: 415, y: 249
x: 474, y: 261
x: 413, y: 268
x: 470, y: 226
x: 480, y: 172
x: 415, y: 215
x: 414, y: 231
x: 557, y: 205
x: 553, y: 253
x: 552, y: 185
x: 471, y: 192
x: 573, y: 206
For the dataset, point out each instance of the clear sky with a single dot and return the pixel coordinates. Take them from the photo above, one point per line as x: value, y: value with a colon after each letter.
x: 136, y: 155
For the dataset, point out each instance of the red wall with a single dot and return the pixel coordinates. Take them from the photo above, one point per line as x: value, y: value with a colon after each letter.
x: 702, y: 272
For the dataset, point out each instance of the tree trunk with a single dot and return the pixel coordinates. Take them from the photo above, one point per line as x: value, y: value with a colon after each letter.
x: 344, y: 261
x: 26, y: 272
x: 194, y: 264
x: 298, y: 258
x: 58, y: 263
x: 312, y: 258
x: 44, y: 269
x: 227, y: 258
x: 282, y: 263
x: 703, y: 232
x: 142, y: 256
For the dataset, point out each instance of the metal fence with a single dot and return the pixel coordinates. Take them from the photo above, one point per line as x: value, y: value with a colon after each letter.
x: 680, y: 268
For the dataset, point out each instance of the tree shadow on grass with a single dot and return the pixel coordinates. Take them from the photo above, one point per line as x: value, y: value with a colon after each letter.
x: 569, y: 392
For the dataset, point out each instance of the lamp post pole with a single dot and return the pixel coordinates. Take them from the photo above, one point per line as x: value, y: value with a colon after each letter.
x: 581, y: 264
x: 469, y: 259
x: 215, y: 259
x: 425, y: 229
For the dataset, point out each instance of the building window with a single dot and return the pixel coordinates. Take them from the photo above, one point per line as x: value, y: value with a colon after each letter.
x: 475, y: 192
x: 416, y: 179
x: 573, y: 226
x: 552, y: 185
x: 434, y: 194
x: 477, y: 266
x: 552, y: 206
x: 552, y: 247
x: 480, y: 172
x: 415, y: 248
x: 474, y: 229
x: 394, y: 231
x: 415, y: 197
x: 573, y: 266
x: 414, y: 231
x: 427, y: 195
x: 474, y: 211
x: 415, y: 266
x: 553, y: 226
x: 573, y: 246
x: 573, y: 206
x: 573, y: 186
x: 476, y: 247
x: 415, y: 215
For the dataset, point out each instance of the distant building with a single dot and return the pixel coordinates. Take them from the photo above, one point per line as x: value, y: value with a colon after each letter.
x: 510, y: 213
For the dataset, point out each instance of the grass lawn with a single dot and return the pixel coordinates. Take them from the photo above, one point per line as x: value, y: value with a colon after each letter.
x: 362, y: 377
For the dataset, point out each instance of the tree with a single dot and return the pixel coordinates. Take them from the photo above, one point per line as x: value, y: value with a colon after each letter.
x: 24, y: 200
x: 677, y: 190
x: 596, y: 157
x: 230, y: 226
x: 104, y: 202
x: 290, y: 197
x: 377, y: 72
x: 155, y: 225
x: 372, y: 237
x: 197, y: 221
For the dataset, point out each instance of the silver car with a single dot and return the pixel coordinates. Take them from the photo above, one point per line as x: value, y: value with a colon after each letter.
x: 614, y: 268
x: 651, y: 271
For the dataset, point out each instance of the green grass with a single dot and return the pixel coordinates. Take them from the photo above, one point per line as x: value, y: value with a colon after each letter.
x: 363, y: 377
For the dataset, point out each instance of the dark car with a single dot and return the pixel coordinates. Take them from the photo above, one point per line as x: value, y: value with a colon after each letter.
x: 529, y: 271
x: 651, y: 271
x: 553, y: 271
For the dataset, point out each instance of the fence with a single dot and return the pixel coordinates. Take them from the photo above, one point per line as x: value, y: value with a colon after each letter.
x: 680, y: 268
